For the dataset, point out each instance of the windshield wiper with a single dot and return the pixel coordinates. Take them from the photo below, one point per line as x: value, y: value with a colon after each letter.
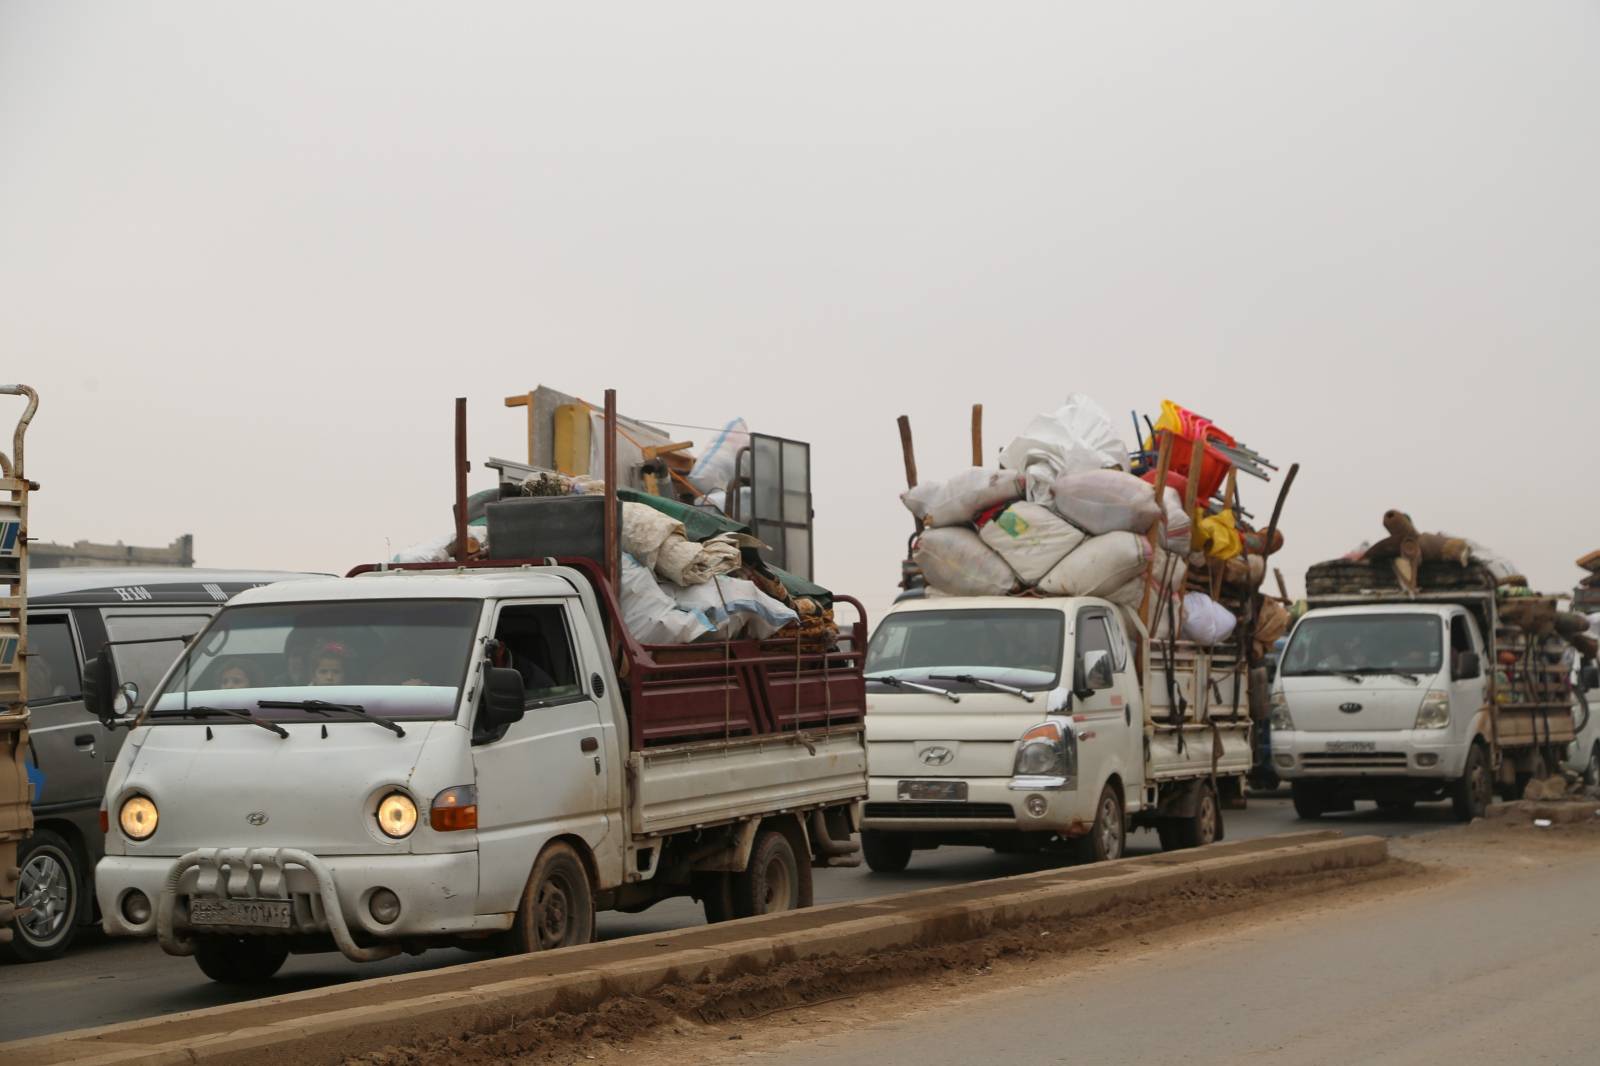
x: 206, y: 712
x: 896, y: 682
x: 969, y: 679
x: 1398, y: 673
x: 323, y: 707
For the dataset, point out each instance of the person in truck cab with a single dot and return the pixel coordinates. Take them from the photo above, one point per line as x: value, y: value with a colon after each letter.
x: 329, y: 668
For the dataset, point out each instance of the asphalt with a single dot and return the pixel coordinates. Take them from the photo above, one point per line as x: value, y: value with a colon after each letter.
x: 102, y: 981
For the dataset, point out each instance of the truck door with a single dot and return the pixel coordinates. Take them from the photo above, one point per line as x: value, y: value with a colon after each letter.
x: 1468, y: 679
x: 546, y: 776
x: 1108, y: 736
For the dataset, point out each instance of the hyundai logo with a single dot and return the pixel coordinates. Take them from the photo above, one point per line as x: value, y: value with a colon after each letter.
x: 1349, y: 708
x: 256, y: 817
x: 937, y: 755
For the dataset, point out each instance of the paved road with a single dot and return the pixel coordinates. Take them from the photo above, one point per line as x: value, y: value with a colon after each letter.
x: 103, y: 981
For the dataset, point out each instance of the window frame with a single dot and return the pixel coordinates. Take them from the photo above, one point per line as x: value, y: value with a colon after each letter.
x: 49, y: 618
x: 579, y: 674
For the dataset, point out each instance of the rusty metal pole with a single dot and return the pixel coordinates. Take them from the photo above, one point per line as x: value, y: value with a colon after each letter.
x: 613, y: 558
x: 461, y: 479
x: 977, y: 434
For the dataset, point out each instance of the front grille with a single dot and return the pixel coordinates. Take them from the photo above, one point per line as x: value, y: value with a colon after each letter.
x: 940, y: 810
x: 1354, y: 760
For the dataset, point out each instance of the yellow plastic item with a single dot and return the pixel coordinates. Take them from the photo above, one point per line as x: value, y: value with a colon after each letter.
x: 1216, y: 535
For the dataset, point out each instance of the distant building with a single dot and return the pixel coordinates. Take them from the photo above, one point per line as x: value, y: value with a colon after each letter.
x: 87, y: 553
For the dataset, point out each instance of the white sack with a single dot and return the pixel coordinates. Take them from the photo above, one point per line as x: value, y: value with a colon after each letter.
x: 1106, y: 501
x: 644, y: 531
x: 716, y: 467
x: 1165, y: 569
x: 734, y: 607
x: 954, y: 501
x: 1031, y: 539
x: 1076, y: 438
x: 957, y: 561
x: 1205, y: 621
x: 651, y: 615
x: 1100, y: 565
x: 1179, y: 524
x: 685, y: 562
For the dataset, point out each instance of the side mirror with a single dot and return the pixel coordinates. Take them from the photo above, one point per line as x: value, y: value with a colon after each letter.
x: 1589, y: 675
x: 1467, y: 665
x: 503, y: 701
x: 101, y: 695
x: 1096, y: 670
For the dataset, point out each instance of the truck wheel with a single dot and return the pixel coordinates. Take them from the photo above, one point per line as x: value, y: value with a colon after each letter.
x: 1309, y: 800
x: 886, y: 853
x: 1470, y: 795
x: 240, y: 960
x: 714, y: 890
x: 51, y: 887
x: 1109, y: 832
x: 557, y: 908
x: 1206, y: 825
x: 773, y: 882
x: 1591, y: 770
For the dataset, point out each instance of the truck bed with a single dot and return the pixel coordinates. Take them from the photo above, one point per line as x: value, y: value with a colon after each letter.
x: 713, y: 782
x: 1201, y: 725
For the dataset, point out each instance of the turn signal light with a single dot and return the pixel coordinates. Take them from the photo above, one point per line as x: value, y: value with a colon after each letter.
x: 105, y: 822
x: 454, y: 809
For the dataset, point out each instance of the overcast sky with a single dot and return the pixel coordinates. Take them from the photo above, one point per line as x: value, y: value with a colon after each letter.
x: 250, y: 253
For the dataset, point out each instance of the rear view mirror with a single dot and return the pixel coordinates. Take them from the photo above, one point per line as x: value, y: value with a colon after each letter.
x: 1467, y: 665
x: 503, y: 700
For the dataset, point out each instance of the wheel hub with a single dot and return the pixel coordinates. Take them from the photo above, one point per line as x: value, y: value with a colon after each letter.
x: 44, y: 890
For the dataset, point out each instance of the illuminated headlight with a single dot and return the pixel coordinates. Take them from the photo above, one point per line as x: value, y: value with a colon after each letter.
x: 397, y: 815
x: 1435, y: 711
x: 1280, y: 717
x: 138, y: 817
x: 1046, y: 758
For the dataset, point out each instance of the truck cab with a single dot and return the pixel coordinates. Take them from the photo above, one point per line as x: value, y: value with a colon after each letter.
x: 1387, y: 702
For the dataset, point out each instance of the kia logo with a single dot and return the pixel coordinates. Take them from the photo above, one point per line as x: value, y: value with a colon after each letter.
x: 256, y: 817
x: 1349, y: 708
x: 936, y: 755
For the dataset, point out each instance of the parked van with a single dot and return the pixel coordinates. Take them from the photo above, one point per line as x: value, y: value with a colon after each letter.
x: 72, y: 614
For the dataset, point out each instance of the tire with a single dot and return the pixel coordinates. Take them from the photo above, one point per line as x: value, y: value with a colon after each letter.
x: 557, y: 908
x: 886, y: 853
x: 1206, y: 825
x: 1591, y: 770
x: 1108, y: 837
x: 1397, y: 806
x: 1469, y: 796
x: 1309, y: 800
x: 52, y: 886
x: 773, y: 881
x: 714, y: 890
x: 240, y: 960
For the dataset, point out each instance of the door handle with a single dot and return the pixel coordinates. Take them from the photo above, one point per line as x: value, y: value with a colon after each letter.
x: 85, y: 743
x: 588, y: 744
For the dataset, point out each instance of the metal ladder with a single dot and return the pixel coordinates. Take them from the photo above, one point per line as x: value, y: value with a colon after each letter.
x: 16, y: 791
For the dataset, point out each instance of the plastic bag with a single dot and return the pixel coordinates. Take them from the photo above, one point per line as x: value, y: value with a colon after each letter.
x: 685, y: 562
x: 645, y: 530
x: 1031, y: 539
x: 1078, y: 437
x: 954, y: 501
x: 713, y: 470
x: 651, y: 615
x: 958, y: 562
x: 1205, y: 621
x: 1105, y: 501
x: 733, y: 607
x: 1100, y: 565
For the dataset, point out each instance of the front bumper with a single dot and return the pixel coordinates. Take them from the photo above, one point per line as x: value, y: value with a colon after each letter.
x: 991, y: 805
x: 328, y: 896
x: 1423, y: 753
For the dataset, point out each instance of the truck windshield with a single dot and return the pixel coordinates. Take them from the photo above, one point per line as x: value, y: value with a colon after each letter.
x: 401, y: 659
x: 1021, y: 648
x: 1366, y: 644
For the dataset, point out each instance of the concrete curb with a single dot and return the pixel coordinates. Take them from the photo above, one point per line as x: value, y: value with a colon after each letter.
x: 329, y: 1024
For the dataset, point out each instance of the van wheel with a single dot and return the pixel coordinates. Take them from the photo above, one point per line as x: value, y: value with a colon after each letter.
x: 240, y: 960
x: 1469, y: 797
x: 1109, y: 833
x: 1310, y: 800
x: 773, y: 881
x: 886, y: 853
x: 557, y: 909
x: 714, y: 890
x: 1206, y: 825
x: 51, y: 887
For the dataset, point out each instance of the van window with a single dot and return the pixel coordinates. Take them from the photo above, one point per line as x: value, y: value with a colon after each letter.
x: 1020, y: 647
x: 52, y: 661
x: 1365, y: 644
x: 144, y: 664
x: 1460, y: 636
x: 535, y: 642
x: 1094, y: 635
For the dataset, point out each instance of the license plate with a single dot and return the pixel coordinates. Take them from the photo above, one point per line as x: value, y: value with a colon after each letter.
x: 955, y: 791
x: 1352, y: 745
x: 259, y: 913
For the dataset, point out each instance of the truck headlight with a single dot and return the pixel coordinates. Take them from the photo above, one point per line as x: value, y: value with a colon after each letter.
x: 1435, y: 711
x: 1047, y: 756
x: 1280, y: 717
x: 138, y: 817
x: 397, y: 815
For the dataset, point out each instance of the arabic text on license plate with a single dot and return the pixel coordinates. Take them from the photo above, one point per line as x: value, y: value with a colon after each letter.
x: 1352, y: 745
x: 933, y: 790
x: 261, y: 913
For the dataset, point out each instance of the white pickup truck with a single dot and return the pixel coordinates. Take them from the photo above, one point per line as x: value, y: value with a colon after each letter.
x: 1019, y: 724
x: 446, y: 755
